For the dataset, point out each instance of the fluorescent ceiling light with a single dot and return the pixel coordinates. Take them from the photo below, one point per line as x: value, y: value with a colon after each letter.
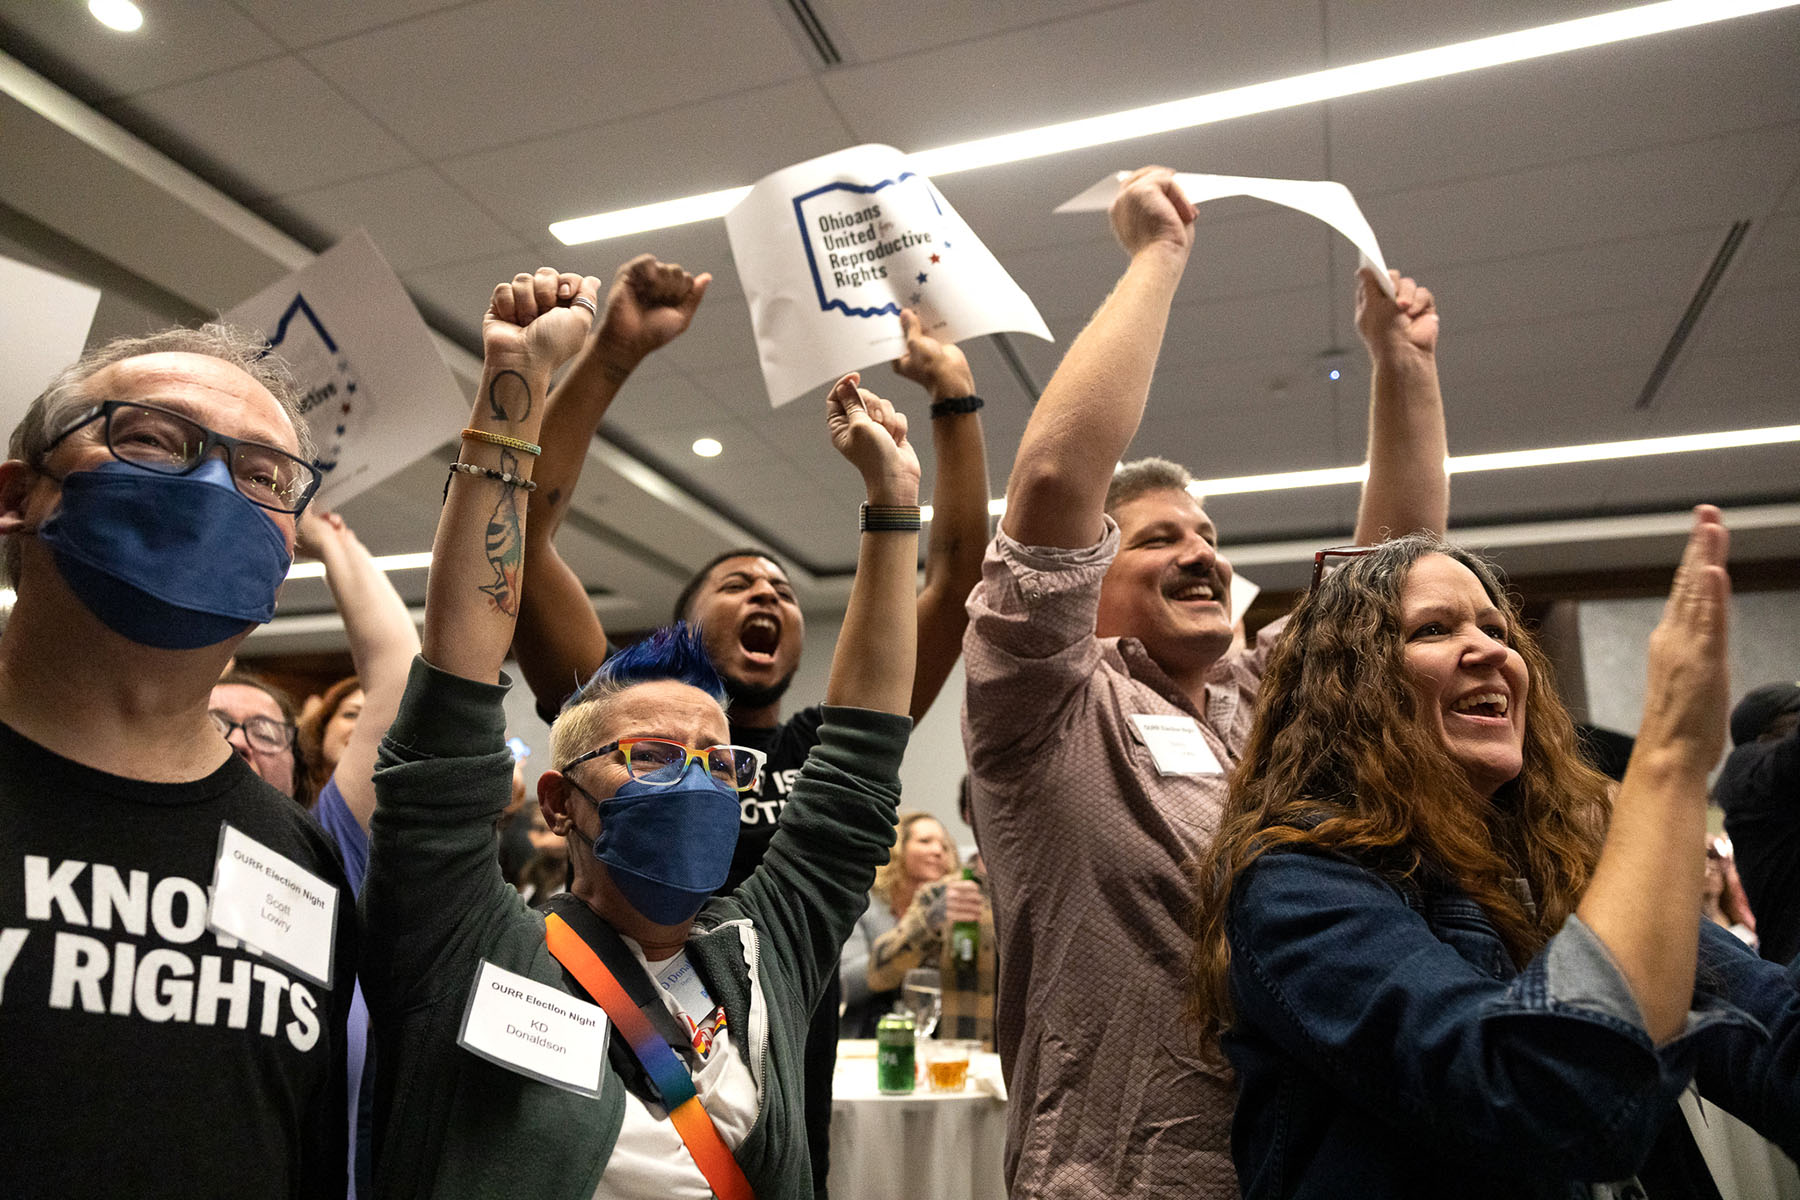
x: 1506, y: 460
x: 387, y: 562
x: 1333, y: 83
x: 708, y: 447
x: 121, y: 15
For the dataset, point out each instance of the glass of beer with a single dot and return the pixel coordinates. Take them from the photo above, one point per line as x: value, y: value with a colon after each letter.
x: 946, y: 1063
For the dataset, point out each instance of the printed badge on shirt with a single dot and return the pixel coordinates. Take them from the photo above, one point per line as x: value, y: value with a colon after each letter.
x: 683, y: 983
x: 1177, y: 746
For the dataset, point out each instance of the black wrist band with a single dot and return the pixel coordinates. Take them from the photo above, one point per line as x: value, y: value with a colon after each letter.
x: 955, y: 405
x: 887, y: 518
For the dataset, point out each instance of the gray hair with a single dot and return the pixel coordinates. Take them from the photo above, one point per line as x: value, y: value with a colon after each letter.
x: 1134, y: 479
x: 48, y: 415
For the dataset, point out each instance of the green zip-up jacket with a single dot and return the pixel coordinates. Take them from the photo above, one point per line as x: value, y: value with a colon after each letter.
x: 451, y: 1124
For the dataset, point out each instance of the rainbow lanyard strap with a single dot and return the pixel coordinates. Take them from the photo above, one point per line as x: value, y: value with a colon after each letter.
x: 667, y: 1073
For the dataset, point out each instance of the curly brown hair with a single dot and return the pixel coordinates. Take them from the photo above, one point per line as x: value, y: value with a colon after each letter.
x: 1341, y: 760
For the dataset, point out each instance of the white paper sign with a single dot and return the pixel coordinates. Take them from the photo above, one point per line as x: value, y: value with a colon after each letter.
x: 1177, y: 746
x: 272, y: 903
x: 1243, y: 595
x: 44, y: 323
x: 1330, y: 202
x: 535, y: 1029
x: 830, y: 250
x: 378, y: 394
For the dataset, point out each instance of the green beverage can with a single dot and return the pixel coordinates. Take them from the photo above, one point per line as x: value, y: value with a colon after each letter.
x: 894, y: 1054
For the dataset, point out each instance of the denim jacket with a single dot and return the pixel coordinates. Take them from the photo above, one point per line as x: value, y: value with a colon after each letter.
x: 1386, y: 1046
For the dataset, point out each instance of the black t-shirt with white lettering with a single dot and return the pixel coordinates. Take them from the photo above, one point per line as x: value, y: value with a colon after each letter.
x: 787, y: 746
x: 144, y: 1055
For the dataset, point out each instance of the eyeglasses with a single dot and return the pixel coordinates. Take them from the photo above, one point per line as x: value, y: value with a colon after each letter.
x: 660, y: 763
x: 170, y: 444
x: 1335, y: 552
x: 263, y: 733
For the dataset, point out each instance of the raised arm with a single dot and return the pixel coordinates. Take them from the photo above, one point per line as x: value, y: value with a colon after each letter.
x: 559, y: 641
x: 1407, y: 489
x: 1645, y: 893
x: 959, y: 499
x: 382, y: 645
x: 477, y: 560
x: 872, y: 666
x: 1090, y: 411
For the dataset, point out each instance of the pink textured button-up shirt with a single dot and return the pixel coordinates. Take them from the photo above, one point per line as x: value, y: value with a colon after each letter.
x: 1088, y: 849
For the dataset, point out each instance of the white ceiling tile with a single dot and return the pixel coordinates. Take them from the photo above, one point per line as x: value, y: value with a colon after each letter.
x: 1529, y: 494
x: 1083, y: 66
x: 274, y: 127
x: 1709, y: 392
x: 482, y: 75
x: 872, y: 32
x: 1769, y: 258
x: 1665, y: 189
x: 1574, y: 106
x: 1673, y: 482
x: 415, y: 217
x: 1527, y: 408
x: 301, y: 25
x: 1358, y: 30
x: 180, y: 40
x: 699, y: 146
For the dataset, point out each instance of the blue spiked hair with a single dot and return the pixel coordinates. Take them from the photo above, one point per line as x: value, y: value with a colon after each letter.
x: 673, y: 652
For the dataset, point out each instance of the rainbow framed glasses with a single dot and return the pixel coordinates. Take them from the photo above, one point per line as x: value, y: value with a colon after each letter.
x: 660, y: 762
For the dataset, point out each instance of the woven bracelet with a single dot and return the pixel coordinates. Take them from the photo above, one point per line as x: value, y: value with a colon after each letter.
x: 500, y: 439
x: 888, y: 518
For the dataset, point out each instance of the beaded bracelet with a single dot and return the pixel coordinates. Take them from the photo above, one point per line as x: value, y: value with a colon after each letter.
x: 500, y: 439
x: 888, y: 518
x: 952, y: 406
x: 509, y: 479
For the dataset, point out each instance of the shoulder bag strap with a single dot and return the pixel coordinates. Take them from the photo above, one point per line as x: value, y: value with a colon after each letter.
x: 667, y: 1073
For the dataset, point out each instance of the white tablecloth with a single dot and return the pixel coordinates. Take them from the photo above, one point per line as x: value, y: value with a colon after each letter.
x: 926, y: 1146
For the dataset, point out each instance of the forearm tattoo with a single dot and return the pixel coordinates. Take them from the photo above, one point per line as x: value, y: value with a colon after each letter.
x: 508, y: 390
x: 506, y: 543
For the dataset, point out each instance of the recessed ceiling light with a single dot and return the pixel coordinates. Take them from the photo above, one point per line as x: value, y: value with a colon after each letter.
x: 121, y: 15
x: 1332, y: 83
x: 708, y: 447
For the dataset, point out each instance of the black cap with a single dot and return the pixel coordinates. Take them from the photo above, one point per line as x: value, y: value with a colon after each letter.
x: 1759, y: 708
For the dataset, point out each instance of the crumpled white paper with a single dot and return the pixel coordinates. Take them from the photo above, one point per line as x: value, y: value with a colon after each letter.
x: 1330, y: 202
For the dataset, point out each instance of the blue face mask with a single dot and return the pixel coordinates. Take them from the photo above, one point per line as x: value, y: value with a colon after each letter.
x: 668, y: 848
x: 171, y: 561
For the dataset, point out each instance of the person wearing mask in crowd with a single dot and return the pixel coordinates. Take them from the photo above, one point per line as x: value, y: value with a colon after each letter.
x: 742, y: 600
x: 257, y: 721
x: 1439, y: 962
x: 1759, y: 789
x: 148, y: 504
x: 645, y: 788
x: 1103, y: 709
x: 915, y: 894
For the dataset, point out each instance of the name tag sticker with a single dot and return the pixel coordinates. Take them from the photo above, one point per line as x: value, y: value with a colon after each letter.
x: 1177, y: 746
x: 535, y: 1029
x: 273, y: 905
